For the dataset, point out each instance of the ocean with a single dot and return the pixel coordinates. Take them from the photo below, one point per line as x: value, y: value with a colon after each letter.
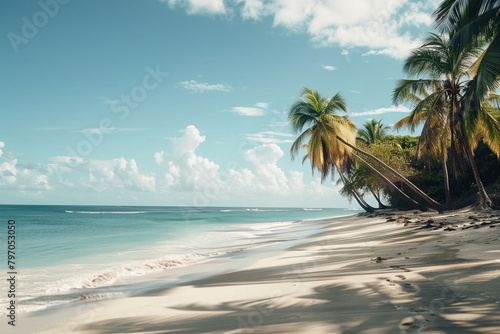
x: 65, y: 254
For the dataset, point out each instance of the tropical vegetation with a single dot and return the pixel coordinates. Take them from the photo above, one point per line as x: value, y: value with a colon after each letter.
x: 452, y: 88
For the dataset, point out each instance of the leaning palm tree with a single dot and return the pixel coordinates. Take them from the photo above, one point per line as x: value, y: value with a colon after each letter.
x: 448, y: 79
x: 373, y: 132
x: 351, y: 190
x: 331, y: 139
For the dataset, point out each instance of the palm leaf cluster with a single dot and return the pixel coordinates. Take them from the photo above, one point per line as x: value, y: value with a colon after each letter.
x: 452, y: 88
x: 445, y: 103
x: 330, y: 143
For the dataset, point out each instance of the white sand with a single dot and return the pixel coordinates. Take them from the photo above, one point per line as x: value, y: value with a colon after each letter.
x: 425, y: 280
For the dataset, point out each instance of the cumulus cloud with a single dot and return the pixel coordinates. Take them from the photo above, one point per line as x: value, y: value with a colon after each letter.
x: 2, y: 145
x: 269, y: 177
x: 189, y: 171
x: 381, y: 26
x: 266, y: 154
x: 203, y: 87
x: 103, y: 175
x: 159, y: 157
x: 23, y: 177
x: 379, y: 111
x: 186, y: 174
x: 188, y: 142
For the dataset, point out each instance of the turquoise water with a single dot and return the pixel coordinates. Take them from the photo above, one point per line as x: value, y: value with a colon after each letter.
x: 66, y: 252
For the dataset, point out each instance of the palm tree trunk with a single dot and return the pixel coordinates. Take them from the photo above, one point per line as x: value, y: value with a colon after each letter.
x: 380, y: 204
x: 432, y: 203
x: 484, y: 199
x: 445, y: 176
x: 392, y: 185
x: 452, y: 136
x: 365, y: 206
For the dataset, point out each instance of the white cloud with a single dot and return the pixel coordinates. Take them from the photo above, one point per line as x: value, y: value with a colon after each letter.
x: 24, y: 177
x: 344, y: 52
x: 329, y: 67
x: 355, y: 92
x: 199, y: 6
x: 187, y: 177
x: 269, y: 177
x: 69, y: 161
x: 262, y: 105
x: 292, y: 14
x: 270, y: 137
x: 2, y: 145
x: 188, y: 171
x: 203, y: 87
x: 114, y: 175
x: 380, y: 26
x: 266, y: 154
x: 399, y: 109
x: 252, y: 9
x: 159, y: 157
x: 188, y: 143
x: 258, y: 109
x: 248, y: 111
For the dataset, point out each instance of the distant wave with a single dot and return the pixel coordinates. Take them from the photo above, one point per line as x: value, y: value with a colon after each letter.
x: 266, y: 210
x: 305, y: 209
x: 254, y: 210
x: 110, y: 212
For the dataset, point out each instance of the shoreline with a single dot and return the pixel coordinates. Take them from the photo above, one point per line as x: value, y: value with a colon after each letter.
x: 356, y: 274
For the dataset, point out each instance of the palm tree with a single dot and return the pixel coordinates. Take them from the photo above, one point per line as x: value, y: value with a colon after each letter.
x: 350, y: 190
x: 373, y: 132
x: 475, y: 23
x: 448, y: 79
x: 331, y: 139
x: 433, y: 142
x: 323, y: 151
x: 363, y: 179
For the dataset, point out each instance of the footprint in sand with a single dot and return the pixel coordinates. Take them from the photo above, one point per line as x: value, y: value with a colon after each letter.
x: 410, y: 287
x: 413, y: 324
x: 401, y: 276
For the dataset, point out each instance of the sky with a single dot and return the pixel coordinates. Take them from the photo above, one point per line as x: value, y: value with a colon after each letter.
x: 185, y: 102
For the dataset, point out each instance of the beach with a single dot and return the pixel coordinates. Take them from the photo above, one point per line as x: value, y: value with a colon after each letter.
x: 395, y: 272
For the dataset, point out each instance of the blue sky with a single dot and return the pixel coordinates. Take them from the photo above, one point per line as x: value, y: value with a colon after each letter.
x: 184, y: 102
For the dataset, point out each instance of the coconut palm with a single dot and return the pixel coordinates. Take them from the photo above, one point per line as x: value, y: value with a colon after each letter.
x: 476, y: 23
x: 363, y: 180
x: 324, y: 152
x: 331, y: 139
x: 373, y: 132
x: 448, y: 79
x: 351, y: 189
x: 433, y: 142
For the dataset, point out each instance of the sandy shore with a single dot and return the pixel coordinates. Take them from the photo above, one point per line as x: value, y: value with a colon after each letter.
x: 377, y: 274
